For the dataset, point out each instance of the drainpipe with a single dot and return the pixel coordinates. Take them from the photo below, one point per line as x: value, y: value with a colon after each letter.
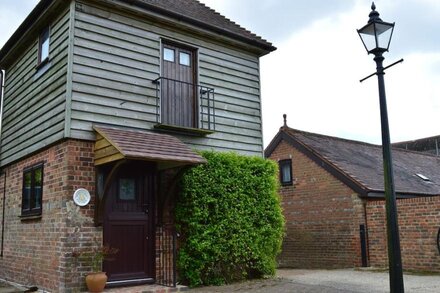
x: 2, y: 75
x: 366, y: 232
x: 2, y: 85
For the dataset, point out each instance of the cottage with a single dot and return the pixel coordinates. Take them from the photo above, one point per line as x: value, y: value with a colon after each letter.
x: 333, y: 200
x: 104, y: 104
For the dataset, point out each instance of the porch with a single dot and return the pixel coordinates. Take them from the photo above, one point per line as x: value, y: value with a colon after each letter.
x: 137, y: 175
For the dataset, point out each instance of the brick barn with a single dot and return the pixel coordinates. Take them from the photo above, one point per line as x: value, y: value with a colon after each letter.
x: 333, y: 201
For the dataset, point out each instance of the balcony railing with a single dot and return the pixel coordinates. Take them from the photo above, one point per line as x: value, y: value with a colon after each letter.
x: 184, y: 104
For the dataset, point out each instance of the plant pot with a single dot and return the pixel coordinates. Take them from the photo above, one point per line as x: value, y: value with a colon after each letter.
x: 96, y: 281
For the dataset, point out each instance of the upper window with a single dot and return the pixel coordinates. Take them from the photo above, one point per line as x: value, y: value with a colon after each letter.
x: 185, y: 59
x: 168, y: 54
x: 32, y: 191
x: 285, y: 172
x: 43, y: 46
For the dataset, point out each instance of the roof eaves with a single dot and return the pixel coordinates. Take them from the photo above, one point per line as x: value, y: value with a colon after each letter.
x: 24, y: 26
x: 267, y: 46
x: 380, y: 194
x: 273, y: 144
x: 323, y: 162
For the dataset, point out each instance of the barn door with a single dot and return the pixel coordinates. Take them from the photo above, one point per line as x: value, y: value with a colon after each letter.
x: 128, y: 225
x: 179, y: 102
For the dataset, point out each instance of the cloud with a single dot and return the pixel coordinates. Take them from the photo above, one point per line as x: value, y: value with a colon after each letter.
x: 314, y: 78
x: 314, y: 75
x: 277, y: 19
x: 12, y: 14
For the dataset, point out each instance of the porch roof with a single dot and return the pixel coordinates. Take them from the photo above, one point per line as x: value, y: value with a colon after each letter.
x: 116, y: 143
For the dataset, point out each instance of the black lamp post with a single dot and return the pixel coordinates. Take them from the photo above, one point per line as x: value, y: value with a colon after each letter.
x: 376, y: 37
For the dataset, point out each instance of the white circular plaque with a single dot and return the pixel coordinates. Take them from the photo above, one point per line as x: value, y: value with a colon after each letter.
x: 81, y: 197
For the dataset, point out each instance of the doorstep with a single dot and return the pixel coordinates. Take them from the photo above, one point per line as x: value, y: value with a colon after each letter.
x: 147, y: 289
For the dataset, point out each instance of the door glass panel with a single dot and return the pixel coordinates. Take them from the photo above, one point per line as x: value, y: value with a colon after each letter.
x: 184, y: 59
x: 168, y: 54
x: 127, y: 189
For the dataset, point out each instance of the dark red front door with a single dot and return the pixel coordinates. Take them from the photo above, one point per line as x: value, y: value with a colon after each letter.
x: 128, y: 224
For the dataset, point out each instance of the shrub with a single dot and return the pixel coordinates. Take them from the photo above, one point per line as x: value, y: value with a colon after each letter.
x: 230, y: 219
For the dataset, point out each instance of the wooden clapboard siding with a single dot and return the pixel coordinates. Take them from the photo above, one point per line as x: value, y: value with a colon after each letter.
x: 113, y: 69
x: 34, y: 102
x: 117, y: 55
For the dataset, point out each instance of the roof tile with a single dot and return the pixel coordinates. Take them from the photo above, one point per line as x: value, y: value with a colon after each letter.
x: 364, y: 163
x: 140, y: 144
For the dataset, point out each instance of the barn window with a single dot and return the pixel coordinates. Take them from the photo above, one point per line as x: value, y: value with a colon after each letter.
x: 43, y: 46
x: 32, y: 196
x: 285, y: 172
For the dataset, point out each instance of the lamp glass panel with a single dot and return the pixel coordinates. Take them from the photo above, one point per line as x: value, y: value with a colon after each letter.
x: 369, y: 40
x: 384, y: 34
x: 368, y: 29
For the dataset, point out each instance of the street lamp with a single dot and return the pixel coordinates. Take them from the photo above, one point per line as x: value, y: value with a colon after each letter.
x: 376, y: 37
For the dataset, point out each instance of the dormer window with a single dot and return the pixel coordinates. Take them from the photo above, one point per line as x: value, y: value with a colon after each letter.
x: 43, y: 46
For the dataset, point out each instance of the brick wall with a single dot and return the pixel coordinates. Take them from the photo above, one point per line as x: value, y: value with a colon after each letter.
x: 419, y: 221
x: 322, y: 216
x: 38, y: 252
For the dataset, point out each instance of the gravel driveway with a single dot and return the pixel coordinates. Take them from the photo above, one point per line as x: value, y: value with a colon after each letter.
x: 329, y: 281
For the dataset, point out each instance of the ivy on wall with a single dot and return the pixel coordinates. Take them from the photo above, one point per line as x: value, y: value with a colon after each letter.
x: 230, y: 219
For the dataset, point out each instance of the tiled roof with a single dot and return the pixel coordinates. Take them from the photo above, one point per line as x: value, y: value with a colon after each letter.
x: 428, y: 144
x: 145, y: 145
x: 199, y: 12
x: 363, y: 163
x: 190, y: 11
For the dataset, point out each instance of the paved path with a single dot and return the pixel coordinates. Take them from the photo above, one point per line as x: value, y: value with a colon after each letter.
x: 329, y: 281
x: 311, y: 281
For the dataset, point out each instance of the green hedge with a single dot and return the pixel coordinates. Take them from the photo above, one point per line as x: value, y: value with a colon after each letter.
x: 230, y: 219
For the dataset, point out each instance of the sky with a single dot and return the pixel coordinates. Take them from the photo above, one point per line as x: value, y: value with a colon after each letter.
x: 314, y: 74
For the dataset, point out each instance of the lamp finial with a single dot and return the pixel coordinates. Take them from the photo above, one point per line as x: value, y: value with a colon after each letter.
x: 374, y: 15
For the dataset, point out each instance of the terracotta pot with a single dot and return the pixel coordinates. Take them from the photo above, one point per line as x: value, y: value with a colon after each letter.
x: 96, y: 281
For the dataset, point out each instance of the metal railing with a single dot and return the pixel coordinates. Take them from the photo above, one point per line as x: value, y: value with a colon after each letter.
x: 204, y: 117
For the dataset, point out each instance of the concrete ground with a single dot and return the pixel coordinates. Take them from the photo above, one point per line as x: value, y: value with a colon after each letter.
x: 304, y: 281
x: 330, y: 281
